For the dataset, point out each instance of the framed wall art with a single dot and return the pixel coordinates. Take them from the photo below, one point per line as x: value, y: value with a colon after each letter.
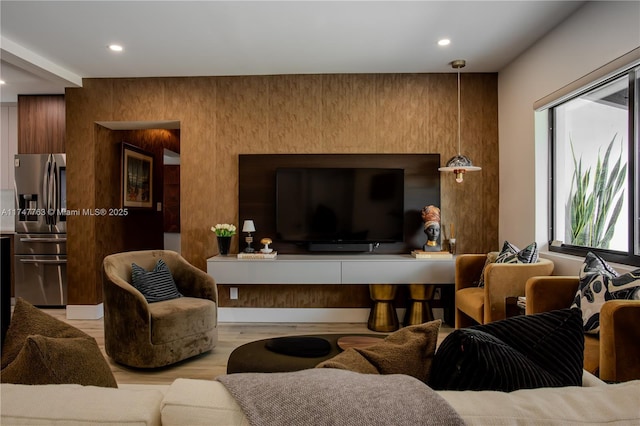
x: 137, y: 177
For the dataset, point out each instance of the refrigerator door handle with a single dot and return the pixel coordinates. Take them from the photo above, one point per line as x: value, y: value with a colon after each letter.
x: 43, y: 240
x: 46, y: 187
x: 55, y: 262
x: 50, y: 191
x: 55, y: 195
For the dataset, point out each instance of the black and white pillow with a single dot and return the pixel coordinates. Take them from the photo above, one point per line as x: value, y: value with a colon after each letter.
x: 512, y: 254
x: 626, y: 287
x: 599, y: 282
x: 155, y: 285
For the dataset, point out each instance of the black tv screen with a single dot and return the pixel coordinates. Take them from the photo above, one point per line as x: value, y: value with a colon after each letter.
x: 340, y: 205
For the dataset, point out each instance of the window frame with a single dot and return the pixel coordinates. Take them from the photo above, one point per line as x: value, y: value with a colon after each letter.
x: 632, y: 255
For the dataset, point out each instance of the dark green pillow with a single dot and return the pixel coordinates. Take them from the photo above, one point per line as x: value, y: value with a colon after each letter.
x: 155, y: 285
x: 523, y: 352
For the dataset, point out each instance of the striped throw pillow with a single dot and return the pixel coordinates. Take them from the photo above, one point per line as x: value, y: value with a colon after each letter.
x: 155, y: 285
x: 523, y: 352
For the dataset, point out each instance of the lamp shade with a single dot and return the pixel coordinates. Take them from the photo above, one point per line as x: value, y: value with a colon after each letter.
x: 248, y: 226
x: 457, y: 162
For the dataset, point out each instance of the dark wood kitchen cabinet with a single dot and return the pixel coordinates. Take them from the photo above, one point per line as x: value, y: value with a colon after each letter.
x: 41, y: 124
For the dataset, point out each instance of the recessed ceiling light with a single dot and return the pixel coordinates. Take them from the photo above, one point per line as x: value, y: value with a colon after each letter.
x: 115, y: 47
x: 2, y: 82
x: 444, y: 42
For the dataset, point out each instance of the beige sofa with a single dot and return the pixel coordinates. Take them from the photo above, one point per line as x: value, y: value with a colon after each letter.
x: 207, y: 402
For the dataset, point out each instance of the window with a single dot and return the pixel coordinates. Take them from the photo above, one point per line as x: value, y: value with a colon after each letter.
x: 595, y: 195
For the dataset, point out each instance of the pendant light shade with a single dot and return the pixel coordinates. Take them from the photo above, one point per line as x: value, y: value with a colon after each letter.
x: 459, y: 164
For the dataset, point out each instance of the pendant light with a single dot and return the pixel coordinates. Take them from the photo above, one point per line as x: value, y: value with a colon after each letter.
x: 459, y: 164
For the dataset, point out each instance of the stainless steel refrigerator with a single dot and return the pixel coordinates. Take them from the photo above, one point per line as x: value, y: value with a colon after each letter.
x: 40, y: 243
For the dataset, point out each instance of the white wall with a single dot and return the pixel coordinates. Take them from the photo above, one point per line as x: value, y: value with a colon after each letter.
x: 594, y: 35
x: 8, y: 143
x: 172, y: 240
x: 8, y: 149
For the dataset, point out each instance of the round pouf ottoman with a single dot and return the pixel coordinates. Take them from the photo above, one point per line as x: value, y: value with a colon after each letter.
x: 291, y: 353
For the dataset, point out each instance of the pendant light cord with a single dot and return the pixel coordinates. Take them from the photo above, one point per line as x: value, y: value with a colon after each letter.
x: 459, y: 164
x: 459, y: 118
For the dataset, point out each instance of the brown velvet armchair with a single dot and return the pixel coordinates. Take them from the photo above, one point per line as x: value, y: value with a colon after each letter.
x: 150, y: 335
x: 480, y: 305
x: 614, y: 354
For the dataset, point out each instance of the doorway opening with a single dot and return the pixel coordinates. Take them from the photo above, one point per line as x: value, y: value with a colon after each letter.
x: 171, y: 199
x: 154, y: 227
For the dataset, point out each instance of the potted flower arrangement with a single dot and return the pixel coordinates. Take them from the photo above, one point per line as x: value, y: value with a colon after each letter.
x: 224, y: 232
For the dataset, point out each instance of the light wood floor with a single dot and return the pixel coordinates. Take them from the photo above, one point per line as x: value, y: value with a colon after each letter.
x: 212, y: 364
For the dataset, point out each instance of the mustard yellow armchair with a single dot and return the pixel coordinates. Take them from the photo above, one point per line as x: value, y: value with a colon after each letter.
x: 614, y: 354
x: 480, y: 305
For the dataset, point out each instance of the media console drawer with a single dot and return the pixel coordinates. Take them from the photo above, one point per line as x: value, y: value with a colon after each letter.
x: 408, y: 271
x: 277, y: 271
x: 331, y: 269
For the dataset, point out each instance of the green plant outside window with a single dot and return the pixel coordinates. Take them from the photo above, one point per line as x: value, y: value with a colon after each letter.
x: 593, y: 197
x: 596, y: 201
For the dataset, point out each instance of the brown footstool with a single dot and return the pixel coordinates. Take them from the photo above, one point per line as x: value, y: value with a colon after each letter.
x: 255, y: 357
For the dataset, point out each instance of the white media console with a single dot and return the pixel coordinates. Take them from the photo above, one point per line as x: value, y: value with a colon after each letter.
x: 332, y: 269
x: 364, y: 268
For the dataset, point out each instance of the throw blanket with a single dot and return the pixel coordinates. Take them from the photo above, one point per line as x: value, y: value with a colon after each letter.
x: 332, y: 397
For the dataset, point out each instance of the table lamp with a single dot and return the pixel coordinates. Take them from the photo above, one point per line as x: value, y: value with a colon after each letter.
x: 248, y: 227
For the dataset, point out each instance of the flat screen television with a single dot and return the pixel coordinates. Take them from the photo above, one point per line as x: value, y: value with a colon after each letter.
x: 340, y: 205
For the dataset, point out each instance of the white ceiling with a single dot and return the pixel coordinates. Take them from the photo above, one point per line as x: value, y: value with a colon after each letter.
x: 46, y: 46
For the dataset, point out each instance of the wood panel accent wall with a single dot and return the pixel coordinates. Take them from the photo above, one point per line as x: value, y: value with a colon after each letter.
x: 300, y: 296
x: 222, y: 117
x: 171, y: 198
x: 41, y: 124
x: 144, y: 227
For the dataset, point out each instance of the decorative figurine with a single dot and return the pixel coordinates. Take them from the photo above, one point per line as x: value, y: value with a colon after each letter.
x: 431, y: 219
x: 266, y: 242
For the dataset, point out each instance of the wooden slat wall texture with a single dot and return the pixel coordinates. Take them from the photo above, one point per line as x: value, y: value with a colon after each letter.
x: 222, y: 117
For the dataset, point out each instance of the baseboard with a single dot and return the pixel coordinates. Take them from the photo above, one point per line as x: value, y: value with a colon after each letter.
x: 82, y: 312
x: 300, y: 315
